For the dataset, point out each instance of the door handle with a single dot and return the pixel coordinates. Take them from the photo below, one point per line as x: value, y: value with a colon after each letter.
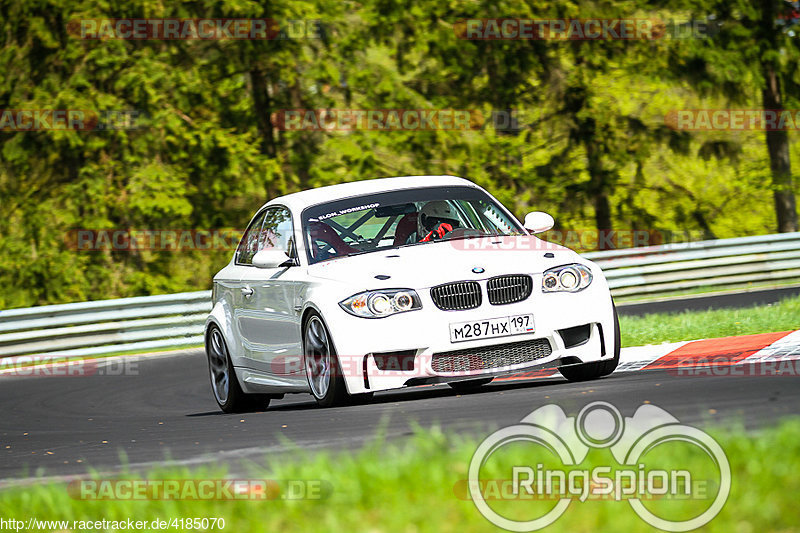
x: 247, y: 291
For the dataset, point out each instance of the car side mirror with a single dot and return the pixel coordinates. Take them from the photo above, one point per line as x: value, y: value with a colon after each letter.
x: 538, y: 222
x: 271, y: 258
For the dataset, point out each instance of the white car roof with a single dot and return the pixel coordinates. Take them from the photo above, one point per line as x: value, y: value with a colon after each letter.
x: 300, y: 200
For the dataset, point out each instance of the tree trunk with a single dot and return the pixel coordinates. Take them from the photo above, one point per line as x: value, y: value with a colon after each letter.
x: 261, y: 108
x: 599, y: 193
x: 777, y: 140
x: 780, y: 165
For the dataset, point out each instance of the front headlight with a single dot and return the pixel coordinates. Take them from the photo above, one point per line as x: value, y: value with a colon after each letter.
x: 566, y: 278
x: 378, y: 304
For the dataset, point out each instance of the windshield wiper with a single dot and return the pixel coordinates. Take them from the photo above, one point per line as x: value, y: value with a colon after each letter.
x: 446, y: 239
x: 358, y: 252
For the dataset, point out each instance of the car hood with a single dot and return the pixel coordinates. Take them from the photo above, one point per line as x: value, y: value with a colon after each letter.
x: 428, y: 265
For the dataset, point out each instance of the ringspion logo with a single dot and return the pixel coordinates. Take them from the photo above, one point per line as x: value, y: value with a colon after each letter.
x: 557, y: 446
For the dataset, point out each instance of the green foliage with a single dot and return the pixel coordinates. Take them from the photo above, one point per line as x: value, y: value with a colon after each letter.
x: 591, y: 136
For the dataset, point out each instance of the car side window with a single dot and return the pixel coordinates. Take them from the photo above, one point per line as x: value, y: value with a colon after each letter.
x: 248, y: 246
x: 277, y: 230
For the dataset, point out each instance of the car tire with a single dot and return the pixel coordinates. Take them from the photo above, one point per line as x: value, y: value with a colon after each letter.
x: 224, y: 384
x: 469, y: 386
x: 597, y: 369
x: 321, y: 364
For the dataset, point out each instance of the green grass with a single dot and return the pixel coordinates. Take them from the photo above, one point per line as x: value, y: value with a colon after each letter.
x: 409, y: 486
x: 690, y: 325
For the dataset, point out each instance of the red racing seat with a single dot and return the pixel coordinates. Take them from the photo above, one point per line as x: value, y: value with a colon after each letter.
x: 406, y: 226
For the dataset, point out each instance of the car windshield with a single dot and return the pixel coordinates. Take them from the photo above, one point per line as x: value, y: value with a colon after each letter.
x: 408, y: 217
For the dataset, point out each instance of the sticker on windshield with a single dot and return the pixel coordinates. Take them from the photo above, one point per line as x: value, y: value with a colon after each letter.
x: 345, y: 211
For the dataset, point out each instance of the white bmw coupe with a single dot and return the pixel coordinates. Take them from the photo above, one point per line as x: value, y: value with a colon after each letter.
x: 345, y: 290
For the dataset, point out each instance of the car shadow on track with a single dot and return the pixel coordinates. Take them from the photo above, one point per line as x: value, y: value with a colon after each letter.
x: 427, y: 392
x: 302, y: 402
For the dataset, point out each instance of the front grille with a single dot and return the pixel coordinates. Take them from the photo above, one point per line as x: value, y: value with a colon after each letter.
x: 457, y: 296
x: 509, y: 289
x: 488, y: 357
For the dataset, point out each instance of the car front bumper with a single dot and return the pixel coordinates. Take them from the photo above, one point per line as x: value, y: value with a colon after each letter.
x: 409, y: 348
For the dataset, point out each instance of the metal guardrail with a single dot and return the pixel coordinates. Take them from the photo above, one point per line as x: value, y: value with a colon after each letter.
x: 713, y: 265
x: 151, y: 323
x: 144, y: 323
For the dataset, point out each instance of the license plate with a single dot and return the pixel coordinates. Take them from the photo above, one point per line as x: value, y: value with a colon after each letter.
x: 492, y: 327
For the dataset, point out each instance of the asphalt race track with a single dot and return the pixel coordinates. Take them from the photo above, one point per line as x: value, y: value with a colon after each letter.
x: 162, y: 408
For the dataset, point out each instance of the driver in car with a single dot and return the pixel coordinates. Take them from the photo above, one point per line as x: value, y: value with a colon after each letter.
x: 436, y: 219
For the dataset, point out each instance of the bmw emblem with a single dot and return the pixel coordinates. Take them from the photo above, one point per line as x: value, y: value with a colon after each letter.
x: 478, y: 270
